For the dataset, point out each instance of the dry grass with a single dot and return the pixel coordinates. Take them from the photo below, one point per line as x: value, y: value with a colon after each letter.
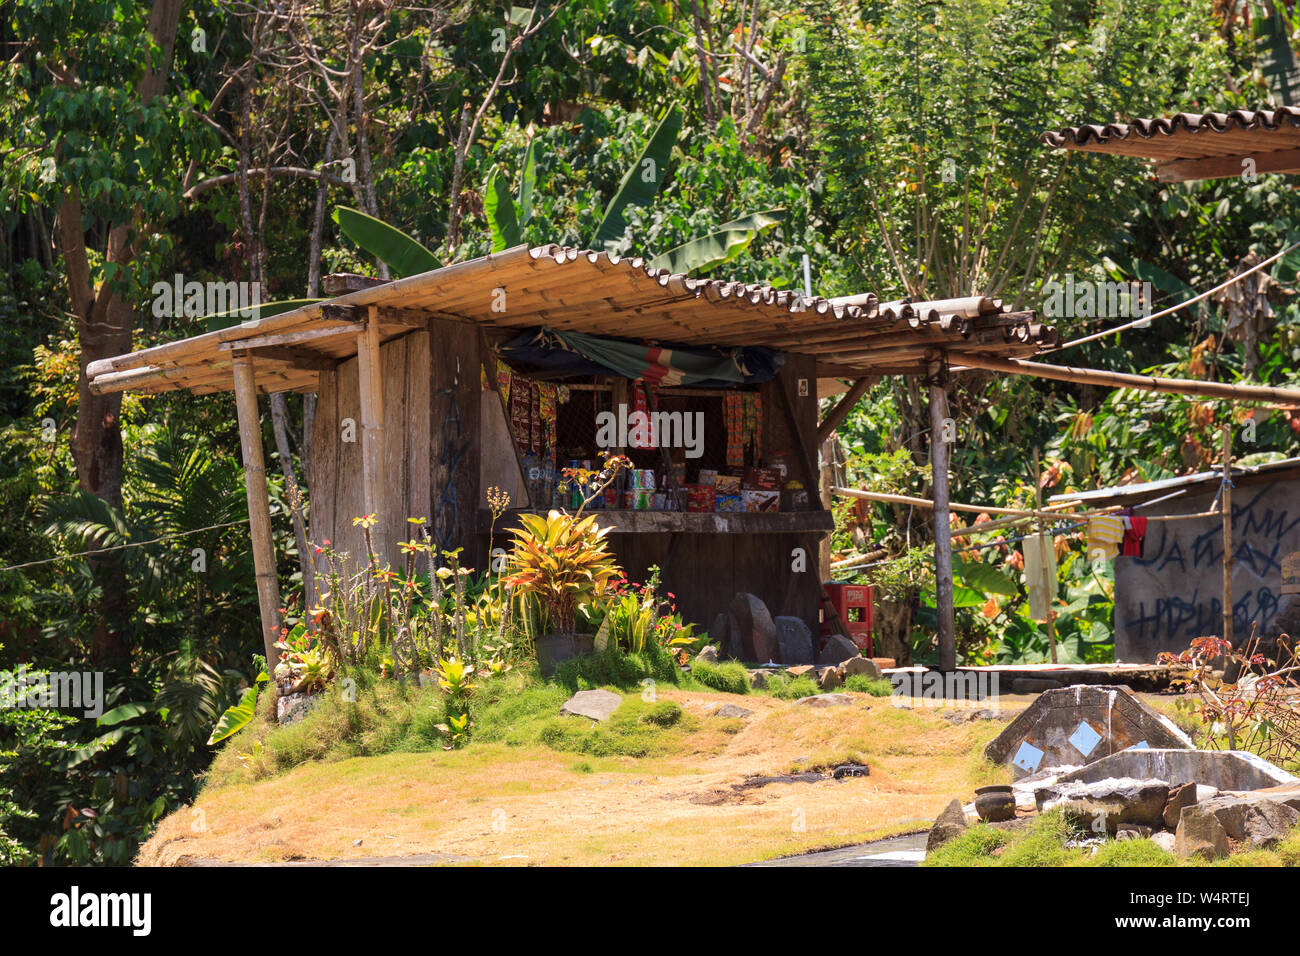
x: 527, y: 803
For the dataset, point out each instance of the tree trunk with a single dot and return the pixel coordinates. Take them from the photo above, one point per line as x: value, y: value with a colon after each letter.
x: 104, y: 327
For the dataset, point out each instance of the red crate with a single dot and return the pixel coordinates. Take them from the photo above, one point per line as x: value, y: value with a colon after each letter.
x: 854, y: 603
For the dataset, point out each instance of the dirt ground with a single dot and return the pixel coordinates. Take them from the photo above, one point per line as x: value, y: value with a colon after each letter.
x: 499, y: 805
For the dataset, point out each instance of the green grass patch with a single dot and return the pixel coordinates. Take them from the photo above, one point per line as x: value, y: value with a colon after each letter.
x: 730, y: 677
x: 785, y: 687
x: 866, y: 684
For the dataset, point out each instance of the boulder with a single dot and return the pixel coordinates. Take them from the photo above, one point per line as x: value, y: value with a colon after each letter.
x: 1200, y: 834
x: 751, y: 619
x: 835, y: 650
x: 1165, y: 840
x: 828, y: 678
x: 950, y: 823
x: 802, y: 670
x: 294, y: 707
x: 1183, y: 795
x: 708, y: 654
x: 794, y: 640
x: 731, y: 710
x: 758, y: 678
x: 1250, y: 819
x: 826, y: 700
x: 720, y: 631
x: 859, y: 665
x: 735, y: 647
x: 597, y: 705
x: 1107, y: 803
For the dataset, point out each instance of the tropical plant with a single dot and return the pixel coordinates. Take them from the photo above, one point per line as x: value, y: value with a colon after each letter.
x: 562, y: 560
x: 454, y: 679
x: 237, y: 717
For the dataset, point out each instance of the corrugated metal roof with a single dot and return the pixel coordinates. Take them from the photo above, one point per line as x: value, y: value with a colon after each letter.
x: 593, y: 292
x: 1187, y: 145
x: 1148, y: 489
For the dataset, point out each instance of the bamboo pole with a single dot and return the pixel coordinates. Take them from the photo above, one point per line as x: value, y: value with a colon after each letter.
x: 1149, y: 383
x: 942, y: 527
x: 372, y: 429
x: 1048, y: 584
x: 259, y: 504
x: 1226, y: 502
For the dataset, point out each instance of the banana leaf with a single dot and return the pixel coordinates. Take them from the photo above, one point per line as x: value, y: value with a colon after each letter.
x: 500, y: 209
x: 402, y: 254
x: 527, y: 184
x: 237, y: 718
x: 719, y: 247
x: 641, y: 182
x: 224, y: 320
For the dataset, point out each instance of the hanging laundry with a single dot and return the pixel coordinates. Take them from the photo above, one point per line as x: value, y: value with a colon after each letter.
x: 1040, y: 574
x: 1105, y: 532
x: 1135, y: 534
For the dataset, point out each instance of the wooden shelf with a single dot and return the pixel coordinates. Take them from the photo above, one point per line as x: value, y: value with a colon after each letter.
x: 659, y: 522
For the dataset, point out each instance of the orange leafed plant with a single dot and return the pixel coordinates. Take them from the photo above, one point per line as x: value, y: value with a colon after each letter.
x: 563, y: 560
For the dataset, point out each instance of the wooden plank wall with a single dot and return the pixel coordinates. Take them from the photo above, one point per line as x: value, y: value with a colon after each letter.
x: 455, y: 358
x: 336, y: 492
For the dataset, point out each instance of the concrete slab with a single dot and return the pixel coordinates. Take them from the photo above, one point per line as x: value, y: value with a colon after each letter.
x: 1077, y: 725
x: 1221, y: 769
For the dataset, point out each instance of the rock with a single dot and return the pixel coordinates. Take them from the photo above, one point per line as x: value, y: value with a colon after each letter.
x: 759, y: 678
x: 835, y: 650
x: 708, y: 654
x: 794, y: 640
x: 850, y: 770
x: 595, y: 704
x: 1181, y: 796
x: 720, y: 631
x: 828, y: 678
x: 1132, y: 831
x: 1165, y: 840
x: 731, y: 710
x: 859, y: 665
x: 735, y: 644
x: 1249, y: 819
x: 294, y: 707
x: 1107, y: 803
x: 752, y: 620
x: 802, y: 670
x: 950, y: 823
x: 826, y: 700
x: 1201, y: 834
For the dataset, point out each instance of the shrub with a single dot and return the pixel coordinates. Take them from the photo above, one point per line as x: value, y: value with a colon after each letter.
x: 792, y: 688
x: 613, y: 668
x: 730, y: 677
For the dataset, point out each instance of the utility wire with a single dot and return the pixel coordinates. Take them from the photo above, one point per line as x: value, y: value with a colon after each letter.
x: 1175, y: 308
x: 122, y: 547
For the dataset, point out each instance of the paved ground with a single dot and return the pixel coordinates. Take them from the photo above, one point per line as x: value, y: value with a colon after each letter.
x: 906, y: 850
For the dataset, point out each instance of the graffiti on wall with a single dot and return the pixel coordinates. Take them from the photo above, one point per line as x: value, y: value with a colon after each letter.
x: 1174, y: 592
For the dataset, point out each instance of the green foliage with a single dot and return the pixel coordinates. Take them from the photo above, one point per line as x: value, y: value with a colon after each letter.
x: 865, y: 684
x: 238, y: 717
x: 642, y: 179
x: 403, y: 255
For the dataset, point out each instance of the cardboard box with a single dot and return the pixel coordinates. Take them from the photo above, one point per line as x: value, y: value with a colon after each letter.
x: 731, y: 503
x: 762, y: 501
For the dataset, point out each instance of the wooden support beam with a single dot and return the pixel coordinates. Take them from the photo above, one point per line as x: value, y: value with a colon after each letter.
x: 1226, y: 502
x: 294, y: 338
x: 259, y: 504
x: 1225, y: 167
x: 842, y: 408
x: 1148, y: 383
x: 372, y: 429
x: 942, y: 526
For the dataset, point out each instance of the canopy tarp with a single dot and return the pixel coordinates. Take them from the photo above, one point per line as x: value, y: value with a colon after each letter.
x: 661, y: 364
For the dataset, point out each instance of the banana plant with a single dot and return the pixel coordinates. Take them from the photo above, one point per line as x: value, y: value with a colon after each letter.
x: 639, y: 186
x: 403, y: 255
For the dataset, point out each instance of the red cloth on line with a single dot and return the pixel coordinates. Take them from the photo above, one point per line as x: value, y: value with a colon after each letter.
x: 1134, y: 537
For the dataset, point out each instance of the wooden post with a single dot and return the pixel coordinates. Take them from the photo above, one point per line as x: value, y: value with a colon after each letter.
x: 1226, y: 501
x: 1049, y: 586
x: 259, y: 504
x: 942, y: 526
x: 372, y: 432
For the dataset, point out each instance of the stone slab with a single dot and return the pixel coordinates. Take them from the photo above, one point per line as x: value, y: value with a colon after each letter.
x: 1221, y: 769
x: 597, y: 705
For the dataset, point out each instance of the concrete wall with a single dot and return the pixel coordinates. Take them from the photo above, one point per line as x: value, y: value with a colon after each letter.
x: 1173, y: 593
